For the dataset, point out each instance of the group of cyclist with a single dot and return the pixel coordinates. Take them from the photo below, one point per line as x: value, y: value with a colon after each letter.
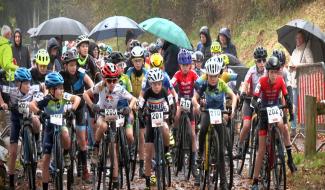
x: 136, y: 84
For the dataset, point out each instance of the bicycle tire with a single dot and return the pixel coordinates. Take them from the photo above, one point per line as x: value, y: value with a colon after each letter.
x: 245, y: 146
x: 58, y: 163
x: 73, y: 150
x: 179, y: 148
x: 112, y: 152
x: 102, y: 165
x: 30, y: 154
x: 136, y: 134
x: 279, y: 169
x: 124, y: 158
x: 253, y: 146
x: 229, y: 164
x: 160, y: 168
x: 214, y: 150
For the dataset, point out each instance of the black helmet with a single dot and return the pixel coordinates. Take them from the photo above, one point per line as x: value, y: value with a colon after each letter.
x: 69, y: 56
x: 280, y: 55
x: 152, y: 48
x: 116, y: 57
x: 273, y: 63
x: 134, y: 43
x: 260, y: 53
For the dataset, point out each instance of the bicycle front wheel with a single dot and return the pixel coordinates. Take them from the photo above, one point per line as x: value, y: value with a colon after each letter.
x: 30, y: 156
x: 58, y: 157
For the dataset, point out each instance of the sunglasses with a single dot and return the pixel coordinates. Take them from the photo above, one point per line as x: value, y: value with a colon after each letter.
x: 111, y: 81
x: 261, y: 60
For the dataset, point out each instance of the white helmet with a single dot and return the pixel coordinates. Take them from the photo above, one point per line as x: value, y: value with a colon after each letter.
x: 155, y: 75
x: 137, y: 52
x: 214, y: 65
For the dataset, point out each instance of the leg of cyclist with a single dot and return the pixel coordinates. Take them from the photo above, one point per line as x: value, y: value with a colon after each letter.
x: 149, y: 152
x: 260, y: 152
x: 177, y: 116
x: 116, y: 169
x: 66, y: 144
x: 36, y: 132
x: 101, y: 126
x: 47, y: 150
x: 247, y: 117
x: 129, y: 129
x: 45, y: 170
x: 205, y: 121
x: 165, y: 133
x: 81, y: 133
x: 141, y: 148
x: 223, y: 179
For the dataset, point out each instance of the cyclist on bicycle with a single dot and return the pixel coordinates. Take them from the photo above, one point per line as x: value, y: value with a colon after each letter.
x: 185, y: 79
x: 214, y: 90
x: 42, y: 59
x: 75, y: 82
x: 136, y: 75
x: 110, y: 92
x: 250, y: 82
x: 268, y: 89
x: 53, y: 103
x: 197, y: 59
x: 215, y: 48
x: 155, y: 99
x: 22, y: 92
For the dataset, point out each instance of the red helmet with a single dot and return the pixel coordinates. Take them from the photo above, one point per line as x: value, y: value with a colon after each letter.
x: 109, y: 70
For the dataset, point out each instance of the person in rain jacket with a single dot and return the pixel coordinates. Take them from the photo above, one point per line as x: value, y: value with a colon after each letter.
x: 205, y: 43
x: 224, y: 38
x: 170, y: 52
x: 20, y: 52
x: 53, y: 50
x: 6, y: 59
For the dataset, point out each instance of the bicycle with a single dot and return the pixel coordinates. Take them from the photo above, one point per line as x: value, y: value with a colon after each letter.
x: 210, y: 167
x: 274, y: 158
x: 136, y: 134
x: 71, y: 123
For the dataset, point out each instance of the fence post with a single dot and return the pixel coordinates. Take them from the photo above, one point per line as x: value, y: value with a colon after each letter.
x: 310, y: 128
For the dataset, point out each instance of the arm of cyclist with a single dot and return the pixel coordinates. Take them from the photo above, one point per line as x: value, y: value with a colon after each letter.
x: 2, y: 103
x: 88, y: 81
x: 75, y: 100
x: 234, y: 102
x: 87, y: 96
x: 196, y: 105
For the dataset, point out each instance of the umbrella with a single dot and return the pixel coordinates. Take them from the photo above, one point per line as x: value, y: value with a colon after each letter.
x: 32, y: 31
x: 315, y: 37
x: 66, y: 28
x: 167, y: 30
x: 115, y: 26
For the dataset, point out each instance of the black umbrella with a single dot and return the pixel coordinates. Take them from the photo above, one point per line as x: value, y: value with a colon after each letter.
x: 314, y: 37
x: 65, y: 28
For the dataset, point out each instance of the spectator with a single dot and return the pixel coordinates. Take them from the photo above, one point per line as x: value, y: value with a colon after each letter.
x: 205, y: 43
x: 170, y: 52
x: 6, y: 58
x: 20, y: 52
x: 224, y: 38
x: 53, y: 50
x: 301, y: 55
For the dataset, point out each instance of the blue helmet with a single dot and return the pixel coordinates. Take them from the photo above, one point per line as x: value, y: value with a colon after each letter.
x: 23, y: 74
x: 184, y: 57
x: 53, y: 79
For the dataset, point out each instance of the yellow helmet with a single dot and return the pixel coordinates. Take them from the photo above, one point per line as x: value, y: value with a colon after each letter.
x: 156, y: 60
x: 42, y: 57
x: 225, y: 58
x: 216, y: 47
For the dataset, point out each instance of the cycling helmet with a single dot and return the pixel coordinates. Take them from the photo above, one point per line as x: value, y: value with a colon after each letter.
x: 134, y: 43
x: 42, y: 57
x: 184, y: 57
x: 152, y: 48
x: 260, y: 53
x: 225, y: 58
x: 215, y: 47
x: 69, y: 56
x: 53, y: 79
x: 22, y: 74
x: 109, y: 70
x: 214, y: 65
x: 273, y: 63
x: 137, y: 52
x: 280, y: 55
x: 116, y: 57
x: 204, y: 30
x: 198, y: 56
x: 155, y: 75
x: 102, y: 47
x: 156, y: 60
x: 109, y: 49
x: 81, y: 39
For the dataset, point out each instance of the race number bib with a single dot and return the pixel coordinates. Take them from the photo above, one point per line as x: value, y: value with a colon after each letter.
x: 274, y: 114
x: 185, y: 104
x: 81, y: 70
x: 157, y: 119
x: 120, y: 121
x: 110, y: 112
x: 170, y: 99
x: 67, y: 96
x: 56, y: 119
x: 215, y: 116
x: 23, y: 107
x: 5, y: 89
x: 35, y: 88
x: 38, y: 96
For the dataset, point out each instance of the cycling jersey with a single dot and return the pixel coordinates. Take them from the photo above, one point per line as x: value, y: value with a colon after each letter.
x: 225, y: 76
x: 214, y: 96
x: 109, y: 100
x: 252, y: 78
x: 90, y: 67
x: 136, y: 81
x: 166, y: 82
x: 125, y: 82
x: 185, y: 83
x: 269, y: 93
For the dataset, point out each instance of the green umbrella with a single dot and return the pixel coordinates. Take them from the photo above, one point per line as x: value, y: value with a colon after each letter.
x: 167, y: 30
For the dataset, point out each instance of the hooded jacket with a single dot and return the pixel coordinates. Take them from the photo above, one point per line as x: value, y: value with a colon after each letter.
x: 170, y: 58
x: 6, y: 59
x: 230, y: 48
x: 54, y: 60
x: 20, y: 52
x: 205, y: 48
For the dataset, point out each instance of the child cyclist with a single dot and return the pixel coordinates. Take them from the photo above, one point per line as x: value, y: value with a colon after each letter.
x: 110, y: 92
x: 53, y: 103
x: 39, y: 72
x: 75, y: 82
x: 268, y: 89
x: 154, y: 99
x: 214, y: 90
x: 136, y: 75
x: 185, y: 79
x: 197, y: 59
x: 21, y: 93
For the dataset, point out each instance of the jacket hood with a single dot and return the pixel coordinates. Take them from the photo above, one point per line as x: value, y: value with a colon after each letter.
x: 52, y: 43
x: 3, y: 41
x: 225, y: 32
x: 17, y: 30
x: 92, y: 46
x: 207, y: 36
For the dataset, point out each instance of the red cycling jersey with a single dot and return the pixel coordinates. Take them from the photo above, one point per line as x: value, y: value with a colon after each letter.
x: 269, y: 93
x: 185, y: 83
